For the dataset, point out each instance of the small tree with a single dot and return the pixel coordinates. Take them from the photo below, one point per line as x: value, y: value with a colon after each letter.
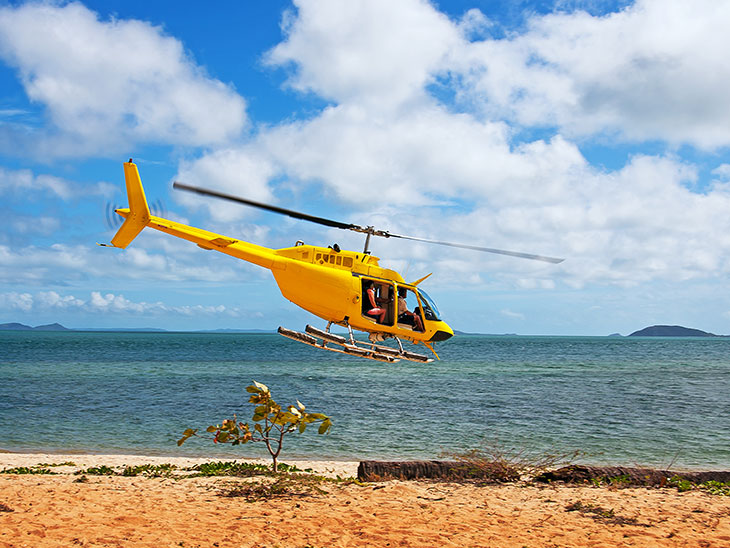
x: 271, y: 423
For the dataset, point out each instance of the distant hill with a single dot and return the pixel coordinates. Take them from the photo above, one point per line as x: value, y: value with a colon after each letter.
x: 671, y: 331
x: 15, y: 326
x: 21, y: 327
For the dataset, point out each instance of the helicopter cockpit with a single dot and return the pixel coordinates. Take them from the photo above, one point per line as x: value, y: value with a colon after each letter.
x: 386, y: 302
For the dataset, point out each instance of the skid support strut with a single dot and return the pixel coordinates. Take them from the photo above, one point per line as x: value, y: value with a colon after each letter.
x: 336, y: 343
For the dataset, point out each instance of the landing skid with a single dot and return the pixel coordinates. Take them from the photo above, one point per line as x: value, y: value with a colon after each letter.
x: 325, y: 340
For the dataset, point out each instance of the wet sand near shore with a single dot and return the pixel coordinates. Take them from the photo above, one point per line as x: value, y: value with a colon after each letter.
x: 115, y: 511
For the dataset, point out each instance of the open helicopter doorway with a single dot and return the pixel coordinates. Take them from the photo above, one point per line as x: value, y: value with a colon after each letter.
x: 410, y: 311
x: 378, y: 301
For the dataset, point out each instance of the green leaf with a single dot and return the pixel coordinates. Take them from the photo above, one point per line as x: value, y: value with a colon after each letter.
x: 258, y: 428
x: 211, y: 429
x: 324, y: 427
x: 302, y: 427
x: 261, y: 387
x: 187, y: 434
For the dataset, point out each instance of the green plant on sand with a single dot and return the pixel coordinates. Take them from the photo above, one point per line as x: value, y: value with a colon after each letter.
x: 272, y: 423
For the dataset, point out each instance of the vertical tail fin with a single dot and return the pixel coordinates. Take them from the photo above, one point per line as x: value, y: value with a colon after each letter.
x: 138, y: 214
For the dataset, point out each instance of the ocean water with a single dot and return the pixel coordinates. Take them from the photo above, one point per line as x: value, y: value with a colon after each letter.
x: 631, y: 401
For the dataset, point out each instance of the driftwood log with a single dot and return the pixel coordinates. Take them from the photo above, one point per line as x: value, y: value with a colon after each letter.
x: 372, y: 470
x: 630, y: 476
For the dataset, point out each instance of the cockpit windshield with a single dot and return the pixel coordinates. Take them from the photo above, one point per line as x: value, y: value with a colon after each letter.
x: 430, y: 310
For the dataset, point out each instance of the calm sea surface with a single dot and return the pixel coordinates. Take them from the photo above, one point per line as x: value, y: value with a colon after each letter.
x: 633, y: 401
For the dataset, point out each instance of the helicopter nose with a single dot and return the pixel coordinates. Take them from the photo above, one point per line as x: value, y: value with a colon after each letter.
x: 441, y: 336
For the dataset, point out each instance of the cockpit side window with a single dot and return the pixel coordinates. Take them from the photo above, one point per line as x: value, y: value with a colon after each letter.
x: 430, y: 311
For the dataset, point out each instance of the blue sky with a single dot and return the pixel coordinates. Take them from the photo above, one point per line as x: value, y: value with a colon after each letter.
x: 595, y: 131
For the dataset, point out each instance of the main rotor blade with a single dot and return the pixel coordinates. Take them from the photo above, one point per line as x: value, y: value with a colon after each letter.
x: 356, y: 228
x: 267, y: 207
x: 485, y: 249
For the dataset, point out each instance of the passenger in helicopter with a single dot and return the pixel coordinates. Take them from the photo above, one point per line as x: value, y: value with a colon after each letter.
x: 371, y: 307
x: 404, y: 315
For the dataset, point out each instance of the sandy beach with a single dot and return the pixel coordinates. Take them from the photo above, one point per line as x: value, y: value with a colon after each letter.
x: 115, y: 511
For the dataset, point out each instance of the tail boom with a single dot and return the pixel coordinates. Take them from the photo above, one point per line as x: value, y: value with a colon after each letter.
x: 137, y: 216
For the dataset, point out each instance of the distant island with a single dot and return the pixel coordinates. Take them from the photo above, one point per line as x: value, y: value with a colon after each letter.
x: 671, y: 331
x: 21, y: 327
x: 15, y: 326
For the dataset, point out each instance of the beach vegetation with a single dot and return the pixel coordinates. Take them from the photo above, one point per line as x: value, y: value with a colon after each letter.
x: 241, y: 469
x: 717, y: 488
x: 27, y: 470
x: 271, y: 423
x: 680, y: 483
x: 150, y: 470
x: 102, y: 470
x: 494, y: 462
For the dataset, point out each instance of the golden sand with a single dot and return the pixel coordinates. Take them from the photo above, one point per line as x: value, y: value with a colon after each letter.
x: 115, y: 511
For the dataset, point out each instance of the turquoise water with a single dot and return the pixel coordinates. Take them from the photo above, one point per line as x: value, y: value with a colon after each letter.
x: 633, y: 401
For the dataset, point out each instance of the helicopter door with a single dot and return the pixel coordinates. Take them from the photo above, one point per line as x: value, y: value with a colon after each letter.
x: 377, y: 301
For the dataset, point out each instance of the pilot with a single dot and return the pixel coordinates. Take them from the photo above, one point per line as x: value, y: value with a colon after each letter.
x: 404, y: 315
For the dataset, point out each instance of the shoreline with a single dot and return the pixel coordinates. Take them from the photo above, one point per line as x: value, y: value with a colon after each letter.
x: 8, y: 458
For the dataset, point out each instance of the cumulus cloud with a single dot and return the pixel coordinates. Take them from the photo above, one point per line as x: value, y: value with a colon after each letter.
x: 25, y: 184
x: 108, y: 83
x: 654, y: 70
x: 109, y: 302
x: 61, y: 263
x: 377, y: 53
x: 50, y: 301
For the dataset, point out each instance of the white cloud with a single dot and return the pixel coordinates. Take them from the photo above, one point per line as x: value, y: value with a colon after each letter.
x: 723, y: 172
x: 60, y: 263
x: 244, y: 170
x: 118, y: 304
x: 30, y: 187
x: 50, y: 301
x: 108, y: 83
x: 511, y: 314
x: 655, y: 70
x: 16, y: 301
x: 377, y: 53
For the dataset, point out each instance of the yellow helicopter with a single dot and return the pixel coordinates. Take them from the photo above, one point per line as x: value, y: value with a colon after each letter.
x: 345, y: 288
